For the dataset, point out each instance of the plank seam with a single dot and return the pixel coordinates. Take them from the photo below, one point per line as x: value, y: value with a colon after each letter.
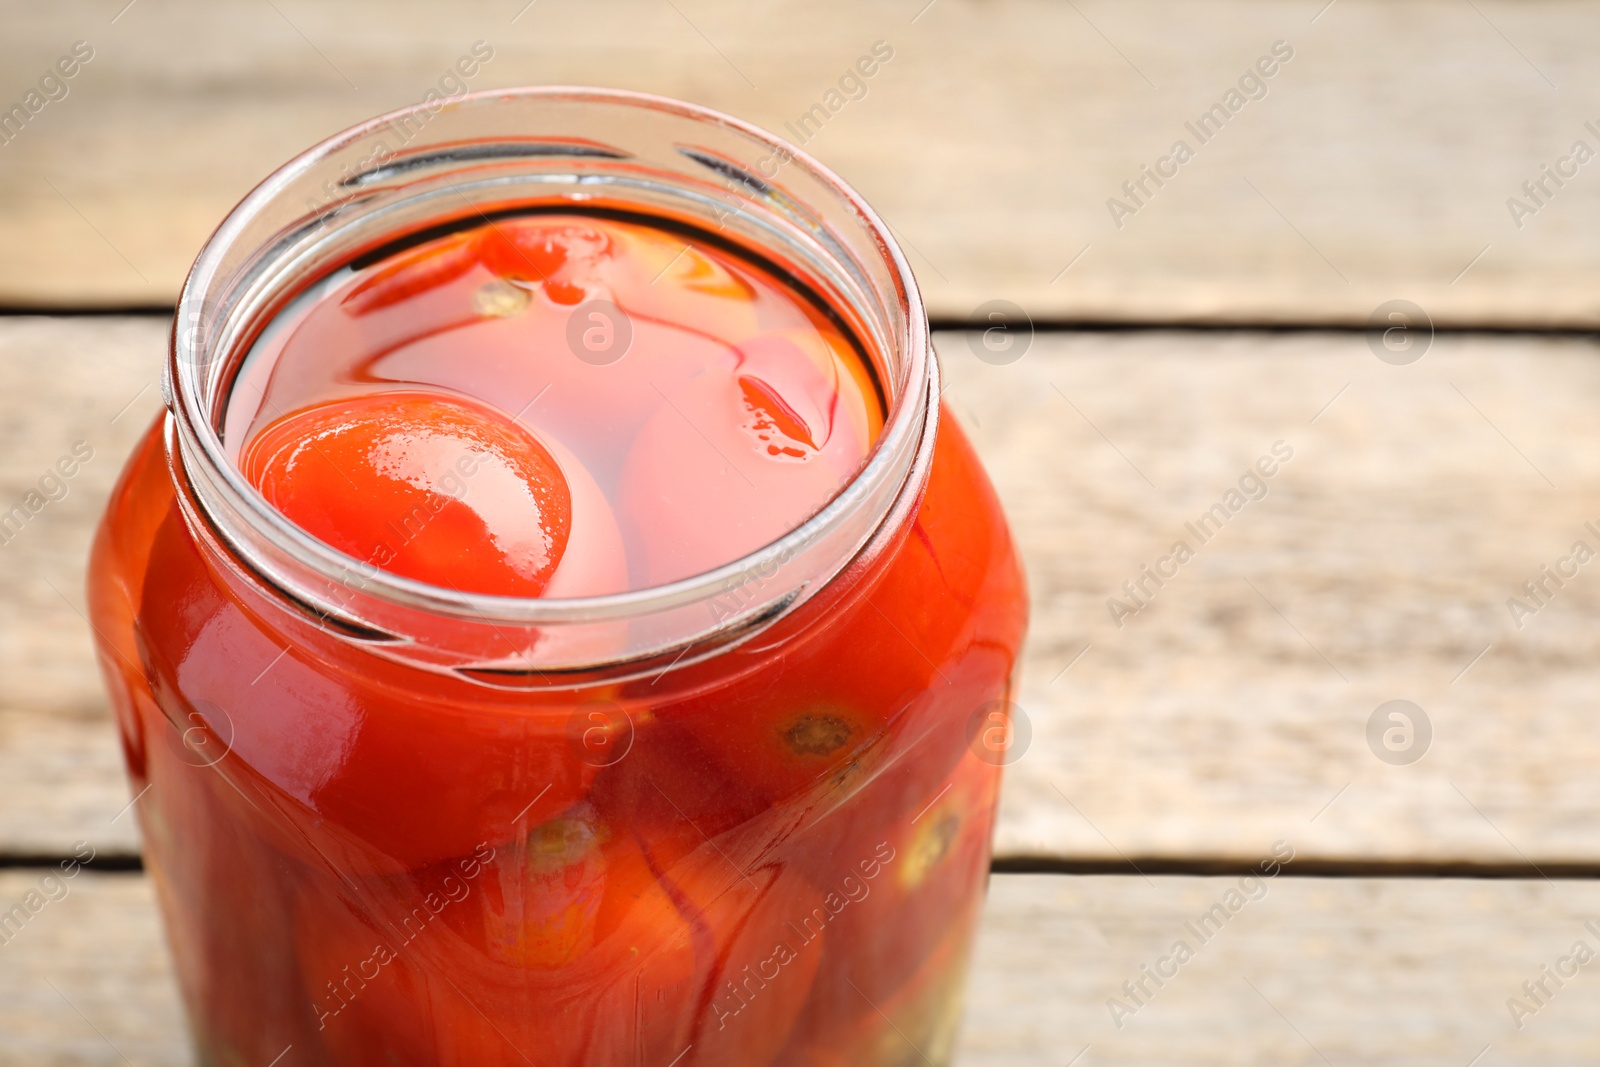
x: 1149, y: 866
x: 1041, y: 326
x: 1302, y: 867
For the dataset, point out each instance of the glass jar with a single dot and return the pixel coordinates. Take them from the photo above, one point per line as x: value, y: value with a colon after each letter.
x: 743, y: 818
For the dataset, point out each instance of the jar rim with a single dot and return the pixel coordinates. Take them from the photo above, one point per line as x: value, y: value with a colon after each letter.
x: 907, y: 431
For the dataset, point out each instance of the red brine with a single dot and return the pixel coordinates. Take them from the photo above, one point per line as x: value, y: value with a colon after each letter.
x: 701, y: 408
x: 768, y: 848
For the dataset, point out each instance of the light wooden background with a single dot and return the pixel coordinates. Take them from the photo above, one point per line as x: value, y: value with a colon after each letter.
x: 1229, y: 714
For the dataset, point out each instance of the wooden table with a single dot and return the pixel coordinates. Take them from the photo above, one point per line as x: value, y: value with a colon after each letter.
x: 1174, y: 746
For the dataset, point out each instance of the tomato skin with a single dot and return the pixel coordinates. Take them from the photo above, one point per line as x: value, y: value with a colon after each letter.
x: 586, y: 951
x: 764, y: 968
x: 335, y: 772
x: 916, y: 1024
x: 563, y: 256
x: 690, y: 526
x: 220, y: 870
x: 366, y: 994
x: 909, y: 653
x: 426, y: 486
x: 444, y: 985
x: 412, y: 274
x: 931, y: 866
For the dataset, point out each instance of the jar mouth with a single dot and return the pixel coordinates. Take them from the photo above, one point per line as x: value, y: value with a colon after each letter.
x: 497, y: 150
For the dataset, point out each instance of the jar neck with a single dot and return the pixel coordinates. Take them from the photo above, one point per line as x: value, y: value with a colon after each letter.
x: 434, y: 166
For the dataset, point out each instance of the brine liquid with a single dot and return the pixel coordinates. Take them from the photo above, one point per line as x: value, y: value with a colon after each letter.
x: 773, y: 857
x: 553, y: 404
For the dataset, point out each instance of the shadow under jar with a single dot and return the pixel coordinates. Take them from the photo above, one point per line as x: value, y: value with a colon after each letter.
x: 730, y: 814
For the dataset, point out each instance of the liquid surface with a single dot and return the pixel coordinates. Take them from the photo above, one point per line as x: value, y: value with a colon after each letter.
x: 556, y: 405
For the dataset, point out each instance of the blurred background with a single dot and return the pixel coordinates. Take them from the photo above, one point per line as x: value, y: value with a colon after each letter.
x: 1351, y: 241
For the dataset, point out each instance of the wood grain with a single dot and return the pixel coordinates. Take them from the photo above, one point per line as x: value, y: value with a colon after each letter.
x: 1224, y: 715
x: 87, y: 979
x: 1232, y: 710
x: 1378, y: 165
x: 1389, y: 973
x: 62, y: 382
x: 1392, y: 972
x: 1229, y: 713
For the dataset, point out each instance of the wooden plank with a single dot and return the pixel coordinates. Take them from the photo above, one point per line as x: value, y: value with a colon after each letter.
x: 1388, y: 973
x: 94, y: 381
x: 1233, y: 709
x: 1209, y: 724
x: 87, y: 979
x: 1305, y: 971
x: 1379, y: 164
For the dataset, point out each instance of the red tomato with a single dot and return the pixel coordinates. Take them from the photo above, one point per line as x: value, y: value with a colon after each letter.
x: 369, y: 1000
x: 564, y: 256
x: 752, y: 482
x: 914, y: 875
x: 894, y: 672
x: 917, y: 1024
x: 672, y: 795
x: 226, y: 894
x: 374, y: 984
x: 626, y: 955
x: 427, y: 487
x: 571, y: 942
x: 412, y: 273
x: 332, y: 771
x: 764, y: 968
